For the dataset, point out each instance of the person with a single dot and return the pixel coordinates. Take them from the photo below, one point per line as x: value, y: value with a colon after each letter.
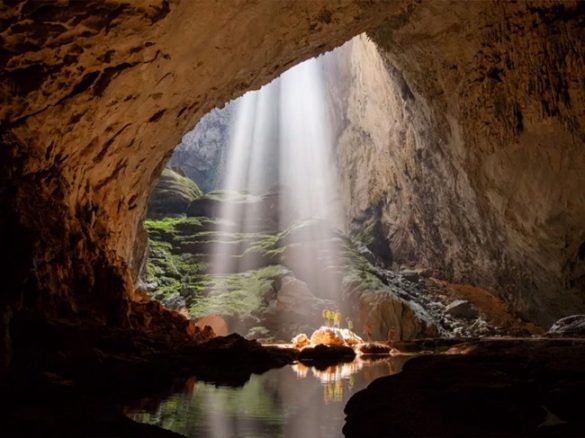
x: 391, y: 337
x: 325, y: 315
x: 349, y: 324
x: 337, y: 319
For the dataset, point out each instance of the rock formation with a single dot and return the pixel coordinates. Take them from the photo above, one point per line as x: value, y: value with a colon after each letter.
x: 202, y: 152
x: 479, y: 173
x: 462, y: 148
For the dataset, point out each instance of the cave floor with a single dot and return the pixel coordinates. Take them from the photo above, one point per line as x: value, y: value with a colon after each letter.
x: 465, y: 387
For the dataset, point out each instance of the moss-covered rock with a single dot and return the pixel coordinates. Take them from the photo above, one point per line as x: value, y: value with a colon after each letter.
x: 275, y: 284
x: 172, y: 195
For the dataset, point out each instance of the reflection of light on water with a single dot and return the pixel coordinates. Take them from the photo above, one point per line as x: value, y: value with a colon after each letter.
x: 333, y: 373
x: 341, y: 377
x: 293, y: 401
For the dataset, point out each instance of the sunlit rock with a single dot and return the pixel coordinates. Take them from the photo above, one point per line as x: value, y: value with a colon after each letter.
x: 217, y: 323
x: 301, y: 341
x: 334, y: 336
x: 375, y: 348
x: 327, y: 336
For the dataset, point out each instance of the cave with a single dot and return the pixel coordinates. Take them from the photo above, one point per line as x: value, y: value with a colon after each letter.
x: 458, y: 139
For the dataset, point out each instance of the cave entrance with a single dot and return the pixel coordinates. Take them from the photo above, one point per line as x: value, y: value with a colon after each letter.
x: 273, y: 215
x: 245, y: 225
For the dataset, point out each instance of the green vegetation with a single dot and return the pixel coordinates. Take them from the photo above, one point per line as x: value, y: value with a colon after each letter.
x: 240, y: 295
x: 366, y: 234
x: 181, y: 247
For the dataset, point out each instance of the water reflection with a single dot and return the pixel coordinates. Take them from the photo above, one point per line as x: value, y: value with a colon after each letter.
x: 295, y: 401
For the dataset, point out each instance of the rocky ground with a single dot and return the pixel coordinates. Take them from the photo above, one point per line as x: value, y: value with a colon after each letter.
x: 487, y: 387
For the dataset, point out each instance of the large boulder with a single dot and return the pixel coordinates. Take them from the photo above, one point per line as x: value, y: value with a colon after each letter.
x: 172, y: 195
x: 573, y: 325
x: 462, y: 309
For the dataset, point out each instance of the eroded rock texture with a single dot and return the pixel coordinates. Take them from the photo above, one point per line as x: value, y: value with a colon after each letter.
x: 464, y: 145
x: 95, y: 96
x: 486, y: 141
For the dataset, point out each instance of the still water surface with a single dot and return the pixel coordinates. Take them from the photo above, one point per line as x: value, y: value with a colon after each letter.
x: 294, y: 401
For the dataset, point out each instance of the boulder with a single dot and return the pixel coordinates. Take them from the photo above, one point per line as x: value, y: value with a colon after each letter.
x: 462, y: 309
x: 335, y: 336
x: 327, y: 336
x: 301, y: 341
x: 573, y: 325
x: 323, y: 356
x: 375, y: 348
x: 216, y: 322
x: 172, y: 195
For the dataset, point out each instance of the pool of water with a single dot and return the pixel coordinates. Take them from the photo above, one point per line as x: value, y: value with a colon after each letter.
x: 294, y: 401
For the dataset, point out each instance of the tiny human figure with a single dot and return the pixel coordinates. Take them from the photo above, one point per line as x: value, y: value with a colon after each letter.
x: 325, y: 315
x: 337, y: 319
x: 329, y: 318
x: 369, y: 333
x: 349, y: 324
x: 391, y: 337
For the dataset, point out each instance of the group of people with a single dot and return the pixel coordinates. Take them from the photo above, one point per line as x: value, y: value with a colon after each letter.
x: 333, y: 319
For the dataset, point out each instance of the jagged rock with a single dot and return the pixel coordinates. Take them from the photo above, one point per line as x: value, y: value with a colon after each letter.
x: 462, y: 309
x: 573, y: 325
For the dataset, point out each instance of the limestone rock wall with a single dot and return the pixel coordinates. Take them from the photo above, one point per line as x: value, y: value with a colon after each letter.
x: 202, y: 152
x: 464, y: 142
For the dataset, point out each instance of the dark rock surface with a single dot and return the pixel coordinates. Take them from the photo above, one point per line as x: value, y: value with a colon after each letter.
x: 72, y: 379
x: 506, y: 387
x: 323, y: 356
x: 462, y: 309
x: 569, y: 326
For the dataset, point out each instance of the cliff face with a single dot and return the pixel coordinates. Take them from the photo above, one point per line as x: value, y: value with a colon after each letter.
x: 201, y: 155
x: 488, y: 170
x: 464, y: 142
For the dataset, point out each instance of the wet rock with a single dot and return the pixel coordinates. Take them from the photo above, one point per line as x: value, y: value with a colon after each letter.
x: 323, y: 356
x: 499, y: 388
x: 462, y: 309
x: 375, y: 348
x: 573, y: 325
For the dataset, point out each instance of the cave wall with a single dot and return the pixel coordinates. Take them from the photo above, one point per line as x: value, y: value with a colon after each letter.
x: 464, y: 143
x: 96, y: 95
x: 202, y: 152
